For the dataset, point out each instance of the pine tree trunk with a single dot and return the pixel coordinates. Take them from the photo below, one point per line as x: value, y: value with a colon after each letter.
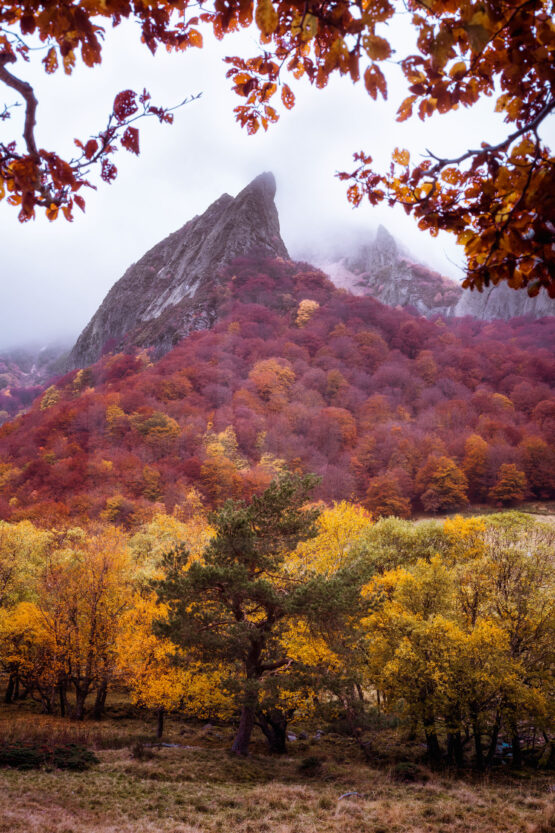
x: 274, y: 726
x: 240, y: 745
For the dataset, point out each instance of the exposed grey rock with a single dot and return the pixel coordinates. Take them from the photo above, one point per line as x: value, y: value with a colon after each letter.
x: 503, y: 302
x: 162, y: 297
x: 379, y: 268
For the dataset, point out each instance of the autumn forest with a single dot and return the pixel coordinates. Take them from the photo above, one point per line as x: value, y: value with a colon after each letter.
x: 401, y: 414
x: 277, y: 539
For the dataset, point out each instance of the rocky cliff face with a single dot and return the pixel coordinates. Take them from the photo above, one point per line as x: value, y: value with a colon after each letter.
x: 163, y: 297
x: 380, y: 269
x: 503, y: 302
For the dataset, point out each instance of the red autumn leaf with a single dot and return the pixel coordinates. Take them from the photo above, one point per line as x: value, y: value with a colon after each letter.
x: 287, y: 96
x: 90, y: 148
x: 125, y: 105
x: 108, y: 171
x: 130, y: 140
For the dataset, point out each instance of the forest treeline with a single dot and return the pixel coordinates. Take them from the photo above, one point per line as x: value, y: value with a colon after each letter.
x: 281, y: 609
x: 400, y: 413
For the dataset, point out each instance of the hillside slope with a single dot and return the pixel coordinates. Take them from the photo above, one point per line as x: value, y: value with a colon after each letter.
x: 295, y: 373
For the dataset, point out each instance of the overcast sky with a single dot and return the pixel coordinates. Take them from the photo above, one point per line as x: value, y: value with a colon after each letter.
x: 54, y: 276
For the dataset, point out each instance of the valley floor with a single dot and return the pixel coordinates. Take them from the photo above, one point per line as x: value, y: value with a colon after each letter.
x: 198, y: 788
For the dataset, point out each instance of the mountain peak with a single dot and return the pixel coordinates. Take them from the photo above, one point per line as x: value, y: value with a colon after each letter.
x: 172, y: 278
x: 385, y: 240
x: 264, y: 184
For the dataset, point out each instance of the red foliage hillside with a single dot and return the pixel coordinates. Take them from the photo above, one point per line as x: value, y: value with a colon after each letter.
x: 395, y: 410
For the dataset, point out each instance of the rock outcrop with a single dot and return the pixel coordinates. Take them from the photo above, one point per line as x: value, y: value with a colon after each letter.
x: 503, y: 302
x: 380, y: 269
x: 163, y: 297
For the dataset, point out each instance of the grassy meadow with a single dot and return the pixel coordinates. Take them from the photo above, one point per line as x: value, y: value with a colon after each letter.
x: 322, y: 785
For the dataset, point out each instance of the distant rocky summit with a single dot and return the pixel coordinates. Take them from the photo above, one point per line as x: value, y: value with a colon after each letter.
x: 381, y: 269
x: 164, y: 296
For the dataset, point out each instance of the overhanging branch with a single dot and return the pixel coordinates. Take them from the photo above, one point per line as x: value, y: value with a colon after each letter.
x: 27, y: 92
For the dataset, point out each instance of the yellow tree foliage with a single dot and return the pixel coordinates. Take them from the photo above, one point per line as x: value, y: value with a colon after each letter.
x: 272, y: 379
x: 157, y: 676
x: 467, y: 639
x: 22, y: 548
x: 305, y: 311
x: 339, y: 528
x: 511, y: 486
x: 164, y: 533
x: 28, y: 651
x: 83, y: 590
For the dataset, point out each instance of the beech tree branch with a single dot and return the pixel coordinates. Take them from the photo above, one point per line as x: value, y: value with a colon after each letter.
x: 31, y: 103
x: 488, y: 149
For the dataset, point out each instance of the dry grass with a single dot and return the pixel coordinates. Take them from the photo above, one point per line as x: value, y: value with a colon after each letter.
x: 199, y: 788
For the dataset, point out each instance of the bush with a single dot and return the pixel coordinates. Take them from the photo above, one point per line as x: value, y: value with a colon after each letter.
x: 28, y: 756
x: 408, y: 772
x: 310, y: 766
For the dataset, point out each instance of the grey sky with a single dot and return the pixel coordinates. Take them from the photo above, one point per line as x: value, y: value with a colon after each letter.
x: 53, y: 276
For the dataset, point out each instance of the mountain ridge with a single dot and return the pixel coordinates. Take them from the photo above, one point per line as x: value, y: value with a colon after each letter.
x: 171, y: 290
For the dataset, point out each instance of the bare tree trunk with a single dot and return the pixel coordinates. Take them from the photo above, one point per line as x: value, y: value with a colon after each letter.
x: 80, y: 699
x: 455, y: 754
x: 493, y: 740
x: 100, y: 701
x: 478, y: 746
x: 10, y: 688
x: 517, y: 751
x: 62, y: 693
x: 433, y: 747
x: 160, y: 722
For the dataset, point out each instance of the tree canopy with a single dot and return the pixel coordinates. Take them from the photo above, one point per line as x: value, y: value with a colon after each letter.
x: 497, y: 199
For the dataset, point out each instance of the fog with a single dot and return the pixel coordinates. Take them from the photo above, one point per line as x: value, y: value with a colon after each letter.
x: 54, y: 276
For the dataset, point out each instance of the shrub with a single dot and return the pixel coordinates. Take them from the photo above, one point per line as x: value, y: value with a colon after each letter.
x: 71, y: 756
x: 408, y: 772
x: 310, y: 766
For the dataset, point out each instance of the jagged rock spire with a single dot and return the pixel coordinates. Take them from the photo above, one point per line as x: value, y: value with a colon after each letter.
x: 168, y: 278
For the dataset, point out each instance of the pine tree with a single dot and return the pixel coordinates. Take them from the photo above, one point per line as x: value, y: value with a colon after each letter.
x: 234, y: 605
